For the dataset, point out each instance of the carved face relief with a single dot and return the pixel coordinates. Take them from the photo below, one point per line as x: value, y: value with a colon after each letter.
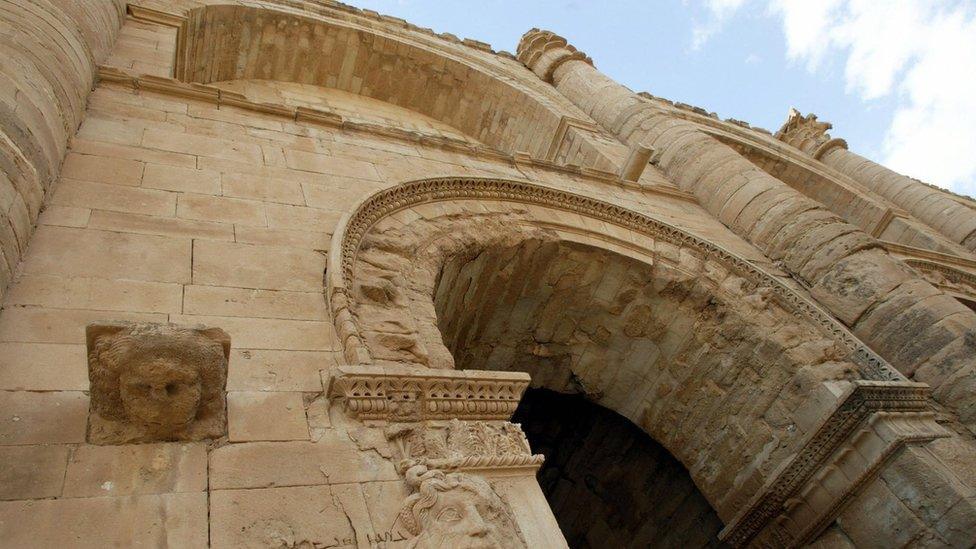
x: 160, y: 393
x: 156, y: 382
x: 457, y: 510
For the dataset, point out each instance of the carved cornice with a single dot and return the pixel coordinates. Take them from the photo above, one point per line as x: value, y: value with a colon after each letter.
x: 395, y: 393
x: 155, y: 17
x: 930, y: 255
x: 305, y: 115
x: 870, y: 422
x: 352, y: 229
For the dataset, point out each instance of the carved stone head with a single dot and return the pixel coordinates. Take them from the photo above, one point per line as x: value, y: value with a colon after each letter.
x: 456, y: 510
x: 152, y: 382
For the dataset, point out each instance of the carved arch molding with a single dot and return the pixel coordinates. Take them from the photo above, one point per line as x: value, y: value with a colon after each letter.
x: 858, y: 422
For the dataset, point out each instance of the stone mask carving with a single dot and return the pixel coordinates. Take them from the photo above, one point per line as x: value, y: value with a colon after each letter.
x: 457, y: 511
x: 153, y: 382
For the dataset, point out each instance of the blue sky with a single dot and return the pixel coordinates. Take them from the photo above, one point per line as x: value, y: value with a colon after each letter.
x: 895, y: 77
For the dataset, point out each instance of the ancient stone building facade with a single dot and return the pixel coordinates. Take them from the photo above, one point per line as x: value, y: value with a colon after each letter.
x: 278, y: 273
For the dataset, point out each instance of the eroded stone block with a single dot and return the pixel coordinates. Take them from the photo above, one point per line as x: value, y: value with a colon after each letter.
x: 156, y: 382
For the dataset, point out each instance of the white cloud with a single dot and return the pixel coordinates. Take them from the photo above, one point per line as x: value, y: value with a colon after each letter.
x: 923, y: 52
x: 920, y: 52
x: 718, y: 12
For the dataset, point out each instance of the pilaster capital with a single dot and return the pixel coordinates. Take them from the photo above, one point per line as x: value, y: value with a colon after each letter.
x: 544, y: 51
x: 808, y: 134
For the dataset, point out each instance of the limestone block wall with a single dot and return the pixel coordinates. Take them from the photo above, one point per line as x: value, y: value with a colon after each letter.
x: 49, y: 51
x: 189, y: 203
x: 172, y: 208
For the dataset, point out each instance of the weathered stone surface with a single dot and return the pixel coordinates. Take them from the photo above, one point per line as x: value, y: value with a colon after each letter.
x: 175, y: 520
x: 283, y: 516
x: 266, y: 416
x: 96, y: 471
x: 32, y: 472
x: 56, y: 417
x: 333, y: 459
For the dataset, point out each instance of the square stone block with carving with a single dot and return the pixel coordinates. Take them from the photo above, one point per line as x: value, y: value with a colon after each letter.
x: 156, y: 382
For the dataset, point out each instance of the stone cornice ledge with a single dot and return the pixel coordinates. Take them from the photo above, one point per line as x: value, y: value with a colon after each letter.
x: 380, y: 394
x: 869, y: 423
x: 211, y: 94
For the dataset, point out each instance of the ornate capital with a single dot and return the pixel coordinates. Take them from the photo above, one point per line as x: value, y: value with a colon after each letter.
x: 543, y: 51
x: 395, y: 393
x: 808, y: 134
x: 869, y: 422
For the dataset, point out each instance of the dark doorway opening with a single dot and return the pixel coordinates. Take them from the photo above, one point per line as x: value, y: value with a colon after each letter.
x: 609, y: 484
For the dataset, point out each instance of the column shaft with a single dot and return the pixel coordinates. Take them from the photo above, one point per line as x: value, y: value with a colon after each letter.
x: 922, y: 331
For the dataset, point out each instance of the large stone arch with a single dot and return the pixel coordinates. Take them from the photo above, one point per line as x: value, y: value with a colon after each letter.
x: 766, y: 384
x: 493, y: 99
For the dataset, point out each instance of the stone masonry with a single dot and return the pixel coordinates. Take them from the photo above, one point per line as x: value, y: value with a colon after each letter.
x: 280, y: 273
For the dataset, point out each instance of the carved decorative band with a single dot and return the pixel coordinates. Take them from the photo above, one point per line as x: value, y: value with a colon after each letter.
x: 462, y: 445
x: 869, y: 423
x: 470, y: 463
x: 351, y: 231
x: 952, y: 279
x: 400, y: 393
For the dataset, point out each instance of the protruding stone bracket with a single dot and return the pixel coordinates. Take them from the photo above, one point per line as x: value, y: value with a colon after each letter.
x: 441, y: 419
x: 636, y: 163
x: 382, y: 394
x: 870, y: 422
x: 156, y: 382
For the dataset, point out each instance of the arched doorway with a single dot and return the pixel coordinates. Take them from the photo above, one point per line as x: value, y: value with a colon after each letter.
x: 600, y: 332
x: 730, y: 368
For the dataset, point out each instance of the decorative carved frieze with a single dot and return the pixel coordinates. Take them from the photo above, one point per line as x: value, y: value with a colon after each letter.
x: 871, y: 420
x: 952, y: 280
x: 465, y: 445
x: 394, y: 393
x: 349, y: 235
x: 152, y: 382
